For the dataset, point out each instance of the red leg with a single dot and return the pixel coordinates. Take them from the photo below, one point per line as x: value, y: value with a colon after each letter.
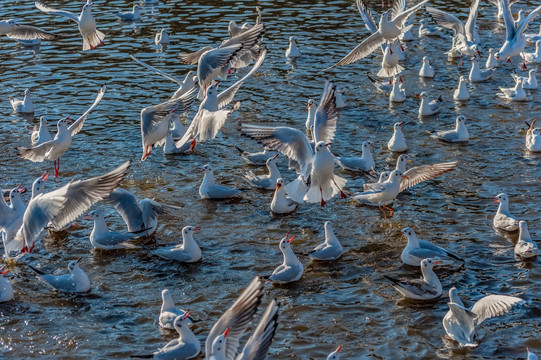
x: 401, y: 47
x: 56, y: 167
x: 322, y: 201
x: 389, y: 209
x: 342, y: 194
x: 523, y: 63
x: 384, y: 213
x: 192, y: 144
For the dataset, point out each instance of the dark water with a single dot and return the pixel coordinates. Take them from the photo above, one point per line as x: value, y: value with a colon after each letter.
x: 348, y: 302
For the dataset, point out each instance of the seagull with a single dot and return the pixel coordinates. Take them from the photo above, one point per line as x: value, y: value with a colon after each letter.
x: 382, y: 194
x: 535, y: 57
x: 16, y: 31
x: 169, y: 312
x: 185, y: 86
x: 133, y: 15
x: 397, y: 143
x: 235, y: 321
x: 258, y: 345
x: 257, y: 158
x: 52, y: 150
x: 266, y: 182
x: 24, y: 106
x: 525, y: 247
x: 503, y: 219
x: 188, y: 251
x: 516, y: 93
x: 364, y: 163
x: 478, y: 75
x: 467, y: 38
x: 515, y: 39
x: 11, y: 219
x: 381, y: 86
x: 42, y: 134
x: 330, y: 249
x: 426, y: 288
x: 312, y: 108
x: 162, y: 38
x: 461, y: 93
x: 491, y: 60
x: 210, y: 190
x: 92, y: 37
x: 398, y: 94
x: 317, y: 181
x: 293, y: 52
x: 212, y: 114
x: 187, y: 345
x: 6, y: 290
x: 74, y: 282
x: 155, y: 121
x: 291, y: 269
x: 459, y: 134
x: 460, y: 322
x: 388, y: 30
x: 417, y: 250
x: 426, y: 69
x: 383, y: 176
x: 63, y: 205
x: 529, y: 82
x: 281, y: 203
x: 429, y: 108
x: 170, y: 147
x: 426, y: 30
x: 141, y: 218
x: 533, y: 137
x: 213, y: 62
x: 102, y: 238
x: 389, y: 63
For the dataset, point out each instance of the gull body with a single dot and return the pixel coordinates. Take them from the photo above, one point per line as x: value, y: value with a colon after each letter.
x: 291, y: 269
x: 426, y: 69
x: 397, y: 94
x: 533, y: 137
x: 426, y: 288
x: 293, y: 51
x: 169, y: 312
x: 25, y: 105
x: 516, y: 93
x: 416, y: 250
x: 74, y: 282
x: 398, y: 143
x: 186, y: 346
x: 534, y: 57
x: 529, y: 82
x: 427, y: 107
x: 210, y: 190
x: 281, y: 203
x: 459, y: 134
x: 461, y: 93
x: 503, y: 219
x: 382, y: 193
x: 133, y: 15
x: 525, y: 247
x: 478, y: 75
x: 266, y: 182
x: 102, y: 238
x: 364, y: 163
x: 187, y: 252
x: 330, y: 249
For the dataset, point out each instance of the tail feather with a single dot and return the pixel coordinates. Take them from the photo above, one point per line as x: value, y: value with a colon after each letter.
x: 39, y: 272
x: 297, y: 190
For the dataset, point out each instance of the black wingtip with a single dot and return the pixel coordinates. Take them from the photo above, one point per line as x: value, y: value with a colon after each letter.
x: 39, y: 272
x: 391, y: 279
x: 239, y: 149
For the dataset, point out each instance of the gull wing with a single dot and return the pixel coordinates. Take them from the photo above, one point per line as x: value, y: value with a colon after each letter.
x: 422, y: 173
x: 471, y: 22
x: 493, y: 305
x: 76, y: 127
x: 49, y: 10
x: 326, y: 115
x: 165, y: 75
x: 26, y: 32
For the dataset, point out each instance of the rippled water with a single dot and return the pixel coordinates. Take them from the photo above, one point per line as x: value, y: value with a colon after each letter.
x: 347, y: 302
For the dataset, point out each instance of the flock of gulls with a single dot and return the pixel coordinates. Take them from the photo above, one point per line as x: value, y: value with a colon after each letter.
x: 310, y: 156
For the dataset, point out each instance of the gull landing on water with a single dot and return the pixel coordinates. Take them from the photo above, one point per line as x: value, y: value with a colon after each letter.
x: 92, y: 37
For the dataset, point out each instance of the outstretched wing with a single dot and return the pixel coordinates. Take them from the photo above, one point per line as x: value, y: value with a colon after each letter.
x: 49, y: 10
x: 326, y: 115
x: 78, y: 124
x: 26, y: 32
x: 422, y: 173
x: 493, y: 305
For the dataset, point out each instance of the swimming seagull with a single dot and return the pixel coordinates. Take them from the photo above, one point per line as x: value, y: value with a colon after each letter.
x: 417, y: 250
x: 212, y: 114
x: 170, y: 147
x: 529, y: 82
x: 41, y: 134
x: 267, y: 182
x: 235, y: 321
x: 24, y: 106
x: 491, y: 60
x: 162, y: 38
x: 534, y: 57
x: 429, y: 108
x: 330, y: 249
x: 74, y: 282
x: 525, y: 247
x: 92, y: 37
x: 503, y: 219
x: 155, y: 121
x: 426, y: 288
x: 515, y: 39
x: 335, y: 355
x: 169, y: 312
x: 398, y: 94
x: 63, y: 205
x: 186, y: 346
x: 281, y: 203
x: 459, y: 134
x: 317, y: 181
x: 533, y: 137
x: 477, y: 74
x: 102, y: 238
x: 185, y: 86
x: 16, y: 31
x: 291, y: 269
x: 293, y: 52
x: 256, y: 158
x: 515, y: 93
x: 210, y: 190
x: 388, y: 30
x: 6, y: 290
x: 461, y: 93
x: 140, y: 217
x: 188, y: 251
x: 52, y: 150
x: 460, y: 322
x: 397, y: 143
x: 133, y: 15
x: 364, y: 163
x: 426, y: 69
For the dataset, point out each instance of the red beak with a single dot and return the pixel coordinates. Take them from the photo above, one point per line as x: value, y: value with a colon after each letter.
x: 45, y: 176
x: 496, y: 200
x: 197, y: 229
x: 79, y: 259
x: 338, y: 349
x: 186, y: 315
x: 275, y: 156
x: 289, y: 240
x: 226, y: 332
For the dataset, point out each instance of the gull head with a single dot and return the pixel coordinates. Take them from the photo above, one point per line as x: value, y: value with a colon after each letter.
x: 27, y: 92
x: 335, y: 355
x: 503, y: 198
x: 272, y: 160
x: 398, y: 125
x: 532, y: 72
x: 136, y: 8
x: 405, y: 158
x: 207, y: 169
x: 407, y: 231
x: 181, y: 320
x: 498, y: 56
x: 423, y: 95
x: 190, y: 229
x: 461, y: 119
x: 42, y: 121
x: 95, y: 214
x: 286, y: 241
x: 430, y: 263
x: 279, y: 183
x: 368, y: 144
x: 292, y: 39
x: 322, y: 146
x: 37, y: 186
x: 218, y: 345
x: 311, y: 103
x: 74, y: 264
